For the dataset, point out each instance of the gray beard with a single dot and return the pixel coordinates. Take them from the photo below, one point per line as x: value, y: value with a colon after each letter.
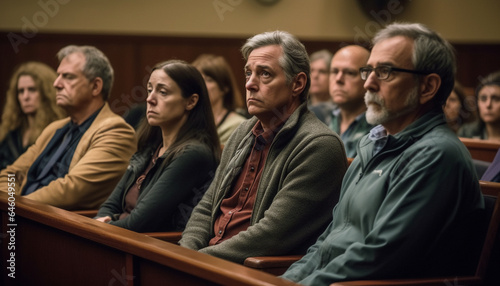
x: 379, y: 114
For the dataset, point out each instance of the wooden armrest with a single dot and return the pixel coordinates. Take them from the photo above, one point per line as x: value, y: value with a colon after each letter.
x: 262, y: 262
x: 172, y: 237
x: 87, y: 213
x: 464, y: 280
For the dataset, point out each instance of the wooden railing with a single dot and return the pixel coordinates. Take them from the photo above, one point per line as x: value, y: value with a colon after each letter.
x: 484, y: 150
x: 52, y: 246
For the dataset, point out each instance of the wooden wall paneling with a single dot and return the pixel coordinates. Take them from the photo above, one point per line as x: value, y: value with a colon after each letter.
x: 130, y: 55
x: 476, y: 61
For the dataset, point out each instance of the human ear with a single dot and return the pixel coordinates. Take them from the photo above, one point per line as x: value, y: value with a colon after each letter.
x: 97, y: 84
x: 299, y: 83
x: 429, y: 87
x: 192, y: 101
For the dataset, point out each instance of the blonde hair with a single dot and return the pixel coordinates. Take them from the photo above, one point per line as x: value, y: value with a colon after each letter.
x: 13, y: 116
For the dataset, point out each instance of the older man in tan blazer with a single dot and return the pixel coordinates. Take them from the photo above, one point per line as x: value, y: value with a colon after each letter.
x: 77, y: 161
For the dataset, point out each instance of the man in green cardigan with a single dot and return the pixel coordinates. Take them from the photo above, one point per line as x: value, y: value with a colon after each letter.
x: 280, y: 171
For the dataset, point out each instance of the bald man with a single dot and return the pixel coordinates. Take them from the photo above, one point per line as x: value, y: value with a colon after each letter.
x: 347, y: 92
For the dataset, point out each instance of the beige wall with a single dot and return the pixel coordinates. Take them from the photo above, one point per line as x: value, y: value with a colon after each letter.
x: 458, y: 20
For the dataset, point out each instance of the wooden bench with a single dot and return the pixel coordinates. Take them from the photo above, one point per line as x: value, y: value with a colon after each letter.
x: 172, y: 237
x: 484, y: 150
x: 58, y: 247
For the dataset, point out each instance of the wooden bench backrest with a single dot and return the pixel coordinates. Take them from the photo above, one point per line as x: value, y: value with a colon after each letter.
x: 484, y: 150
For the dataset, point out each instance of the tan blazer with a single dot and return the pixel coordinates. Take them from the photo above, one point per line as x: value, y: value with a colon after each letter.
x: 99, y: 161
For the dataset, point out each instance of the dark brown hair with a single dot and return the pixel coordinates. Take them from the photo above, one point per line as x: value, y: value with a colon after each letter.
x: 219, y: 70
x: 199, y: 126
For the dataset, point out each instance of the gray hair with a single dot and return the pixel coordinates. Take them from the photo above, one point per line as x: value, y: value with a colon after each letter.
x: 431, y: 53
x: 324, y: 55
x: 96, y: 65
x: 294, y: 59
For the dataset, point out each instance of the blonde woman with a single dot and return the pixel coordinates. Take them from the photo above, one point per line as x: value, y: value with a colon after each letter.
x: 29, y: 107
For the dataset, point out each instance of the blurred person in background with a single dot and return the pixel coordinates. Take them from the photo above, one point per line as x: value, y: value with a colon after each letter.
x: 348, y: 94
x: 30, y: 106
x: 223, y: 92
x: 487, y: 127
x: 459, y: 108
x: 320, y: 101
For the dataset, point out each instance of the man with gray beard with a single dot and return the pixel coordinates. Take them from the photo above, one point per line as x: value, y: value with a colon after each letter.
x: 411, y: 196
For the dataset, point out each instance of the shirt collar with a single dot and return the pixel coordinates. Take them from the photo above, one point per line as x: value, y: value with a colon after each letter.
x: 86, y: 124
x: 378, y: 132
x: 336, y: 112
x: 266, y: 136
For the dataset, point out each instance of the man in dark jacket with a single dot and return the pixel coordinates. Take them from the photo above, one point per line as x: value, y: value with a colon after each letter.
x: 412, y: 193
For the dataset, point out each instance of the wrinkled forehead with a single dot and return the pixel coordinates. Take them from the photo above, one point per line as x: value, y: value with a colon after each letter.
x: 264, y: 56
x: 396, y: 51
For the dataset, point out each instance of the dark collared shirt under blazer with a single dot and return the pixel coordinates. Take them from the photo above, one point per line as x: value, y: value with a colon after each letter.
x: 61, y: 166
x: 98, y: 162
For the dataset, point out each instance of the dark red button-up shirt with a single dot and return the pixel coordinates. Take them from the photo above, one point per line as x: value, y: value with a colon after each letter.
x: 237, y: 207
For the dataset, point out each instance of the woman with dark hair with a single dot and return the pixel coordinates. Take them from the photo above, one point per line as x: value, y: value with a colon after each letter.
x: 178, y: 152
x: 488, y: 104
x: 225, y: 97
x: 459, y: 109
x: 29, y: 107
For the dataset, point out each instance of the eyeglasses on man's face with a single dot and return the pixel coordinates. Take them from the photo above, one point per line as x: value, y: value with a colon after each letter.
x: 383, y: 72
